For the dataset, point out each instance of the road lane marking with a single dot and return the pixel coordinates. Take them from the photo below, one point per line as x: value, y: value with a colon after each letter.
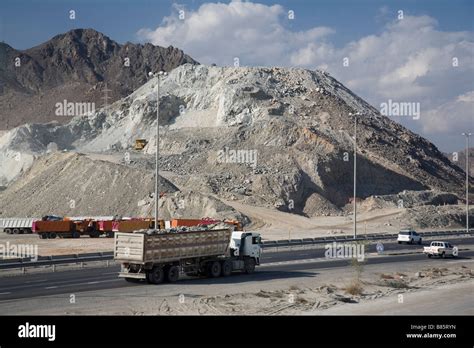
x: 99, y: 281
x: 5, y: 293
x: 87, y: 283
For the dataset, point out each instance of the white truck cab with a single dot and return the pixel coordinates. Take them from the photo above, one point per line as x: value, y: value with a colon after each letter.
x: 246, y: 244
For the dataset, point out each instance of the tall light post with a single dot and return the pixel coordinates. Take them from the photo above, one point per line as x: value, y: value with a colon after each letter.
x: 355, y: 115
x: 157, y: 194
x: 467, y: 135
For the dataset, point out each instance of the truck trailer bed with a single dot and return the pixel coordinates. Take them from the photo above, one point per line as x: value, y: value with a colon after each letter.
x: 142, y: 247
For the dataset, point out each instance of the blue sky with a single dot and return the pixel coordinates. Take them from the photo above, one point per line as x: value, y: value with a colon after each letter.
x: 403, y: 60
x: 26, y: 23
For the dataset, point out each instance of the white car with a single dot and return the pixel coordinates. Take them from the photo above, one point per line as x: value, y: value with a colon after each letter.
x: 408, y: 236
x: 441, y: 249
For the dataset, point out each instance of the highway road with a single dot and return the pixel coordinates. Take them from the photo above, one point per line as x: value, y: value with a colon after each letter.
x: 274, y: 265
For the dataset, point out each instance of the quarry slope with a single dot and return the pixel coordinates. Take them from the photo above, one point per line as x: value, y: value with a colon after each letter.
x: 272, y: 137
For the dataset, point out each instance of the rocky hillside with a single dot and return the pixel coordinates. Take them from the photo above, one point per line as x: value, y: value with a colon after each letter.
x: 73, y: 184
x: 461, y: 159
x: 75, y: 66
x: 270, y: 137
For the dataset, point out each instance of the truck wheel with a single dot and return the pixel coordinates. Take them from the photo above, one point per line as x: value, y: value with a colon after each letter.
x: 8, y: 231
x: 75, y: 234
x: 16, y: 231
x: 249, y: 266
x: 109, y: 235
x: 399, y: 242
x: 429, y: 255
x: 43, y: 235
x: 52, y: 235
x: 443, y: 255
x: 226, y: 268
x: 214, y: 269
x: 419, y: 242
x: 156, y: 275
x: 94, y: 234
x: 172, y: 274
x: 411, y: 242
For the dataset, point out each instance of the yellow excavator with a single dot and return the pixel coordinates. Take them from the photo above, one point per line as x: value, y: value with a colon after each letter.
x: 140, y: 144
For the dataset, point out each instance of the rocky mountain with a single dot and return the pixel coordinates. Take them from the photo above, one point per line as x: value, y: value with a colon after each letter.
x: 77, y: 66
x: 271, y: 137
x: 460, y: 160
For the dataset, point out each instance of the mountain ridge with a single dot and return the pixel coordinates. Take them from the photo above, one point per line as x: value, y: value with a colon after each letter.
x: 76, y: 66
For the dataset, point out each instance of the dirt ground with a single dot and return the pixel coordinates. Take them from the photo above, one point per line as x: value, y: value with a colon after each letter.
x: 272, y: 224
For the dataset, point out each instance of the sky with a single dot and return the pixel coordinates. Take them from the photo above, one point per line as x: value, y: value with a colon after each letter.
x: 404, y: 52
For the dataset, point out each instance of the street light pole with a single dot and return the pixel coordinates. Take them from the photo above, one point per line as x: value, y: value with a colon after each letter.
x: 355, y: 172
x: 157, y: 155
x: 467, y: 135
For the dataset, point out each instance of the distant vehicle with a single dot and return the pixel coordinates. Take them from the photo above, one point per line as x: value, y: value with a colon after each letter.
x: 440, y: 249
x: 17, y: 225
x: 52, y: 218
x: 140, y: 144
x: 408, y: 236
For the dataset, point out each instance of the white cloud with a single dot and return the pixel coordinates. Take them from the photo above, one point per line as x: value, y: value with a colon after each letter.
x: 217, y: 32
x: 456, y: 114
x: 410, y: 60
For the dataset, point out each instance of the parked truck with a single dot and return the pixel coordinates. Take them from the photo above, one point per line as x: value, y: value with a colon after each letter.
x: 52, y: 227
x: 156, y: 256
x: 17, y: 225
x: 177, y: 223
x: 109, y: 227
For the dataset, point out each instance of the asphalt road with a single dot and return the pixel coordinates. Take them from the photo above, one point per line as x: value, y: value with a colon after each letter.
x: 283, y: 264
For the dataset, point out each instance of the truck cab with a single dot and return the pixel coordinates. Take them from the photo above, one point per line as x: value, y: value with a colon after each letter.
x: 246, y: 244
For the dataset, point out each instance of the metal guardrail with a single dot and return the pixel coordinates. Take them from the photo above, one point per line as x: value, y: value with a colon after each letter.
x: 55, y: 260
x: 373, y: 236
x: 103, y: 256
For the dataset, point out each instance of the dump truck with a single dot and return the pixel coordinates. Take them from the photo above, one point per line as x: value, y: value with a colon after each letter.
x: 176, y: 223
x: 158, y: 256
x: 109, y: 227
x: 140, y: 144
x: 51, y: 227
x: 17, y: 225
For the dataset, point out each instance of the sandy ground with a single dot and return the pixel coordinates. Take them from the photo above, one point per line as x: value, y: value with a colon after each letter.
x: 272, y: 224
x: 450, y: 298
x: 59, y: 246
x: 275, y: 224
